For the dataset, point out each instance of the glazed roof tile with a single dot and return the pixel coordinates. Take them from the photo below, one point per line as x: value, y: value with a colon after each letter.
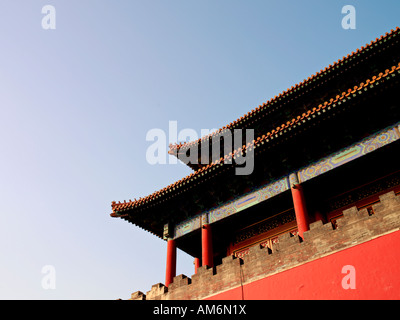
x: 175, y: 147
x: 119, y: 207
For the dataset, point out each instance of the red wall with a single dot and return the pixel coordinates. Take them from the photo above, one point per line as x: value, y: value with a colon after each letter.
x: 376, y: 268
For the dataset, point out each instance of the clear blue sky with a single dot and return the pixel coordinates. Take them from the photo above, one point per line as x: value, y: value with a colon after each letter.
x: 76, y: 104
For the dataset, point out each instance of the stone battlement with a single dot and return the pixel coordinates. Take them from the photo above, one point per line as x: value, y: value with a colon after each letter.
x: 355, y: 227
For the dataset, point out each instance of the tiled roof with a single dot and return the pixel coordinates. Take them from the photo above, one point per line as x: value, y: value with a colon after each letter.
x: 174, y: 148
x: 119, y: 207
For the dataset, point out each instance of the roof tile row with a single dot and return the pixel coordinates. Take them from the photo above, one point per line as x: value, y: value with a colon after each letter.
x: 118, y: 206
x: 317, y: 75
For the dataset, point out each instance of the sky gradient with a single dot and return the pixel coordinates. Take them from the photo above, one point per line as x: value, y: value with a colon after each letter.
x: 76, y: 104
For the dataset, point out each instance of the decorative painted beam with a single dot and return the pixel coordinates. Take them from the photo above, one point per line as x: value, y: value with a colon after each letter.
x: 232, y: 207
x: 365, y: 146
x: 351, y: 153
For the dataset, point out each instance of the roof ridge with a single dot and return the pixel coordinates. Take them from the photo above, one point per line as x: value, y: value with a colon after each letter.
x: 322, y: 72
x: 256, y: 142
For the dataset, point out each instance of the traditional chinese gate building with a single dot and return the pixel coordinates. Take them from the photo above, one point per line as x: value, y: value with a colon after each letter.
x: 323, y: 195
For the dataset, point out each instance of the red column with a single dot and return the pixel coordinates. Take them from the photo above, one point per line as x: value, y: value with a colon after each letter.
x: 206, y: 244
x: 196, y: 264
x: 300, y: 209
x: 170, y: 271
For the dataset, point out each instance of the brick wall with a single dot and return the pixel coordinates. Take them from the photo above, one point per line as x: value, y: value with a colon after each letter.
x: 229, y: 279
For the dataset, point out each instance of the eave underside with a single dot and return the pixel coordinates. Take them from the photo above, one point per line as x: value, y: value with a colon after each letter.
x: 333, y: 191
x: 363, y: 64
x: 315, y: 139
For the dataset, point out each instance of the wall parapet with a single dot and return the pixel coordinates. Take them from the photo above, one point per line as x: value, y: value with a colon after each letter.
x: 355, y: 227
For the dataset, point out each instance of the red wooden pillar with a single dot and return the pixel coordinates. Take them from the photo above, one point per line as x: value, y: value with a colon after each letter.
x: 196, y: 264
x: 170, y: 271
x: 300, y: 209
x: 206, y: 245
